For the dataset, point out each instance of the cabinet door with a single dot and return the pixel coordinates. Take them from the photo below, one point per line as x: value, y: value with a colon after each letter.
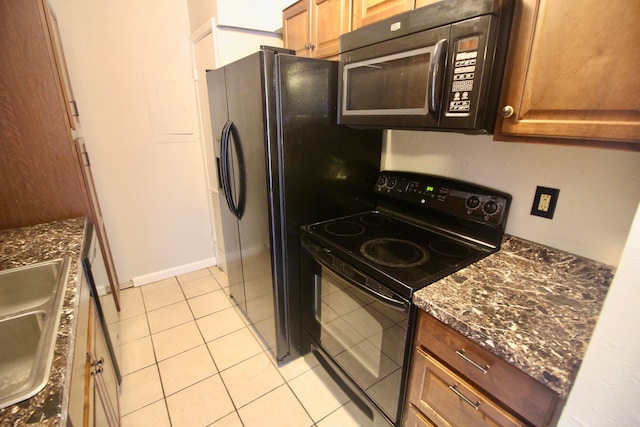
x: 105, y: 385
x: 41, y: 179
x: 61, y: 66
x: 98, y: 221
x: 80, y: 397
x: 330, y: 19
x: 573, y: 72
x: 366, y: 12
x: 296, y: 21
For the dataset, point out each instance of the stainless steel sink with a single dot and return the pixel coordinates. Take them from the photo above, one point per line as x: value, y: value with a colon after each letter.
x: 30, y: 304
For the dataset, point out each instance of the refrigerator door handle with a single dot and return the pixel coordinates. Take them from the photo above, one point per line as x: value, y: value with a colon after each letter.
x: 227, y: 132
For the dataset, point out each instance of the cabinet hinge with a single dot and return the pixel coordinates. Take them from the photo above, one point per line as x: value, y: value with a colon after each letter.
x: 87, y: 162
x: 74, y: 108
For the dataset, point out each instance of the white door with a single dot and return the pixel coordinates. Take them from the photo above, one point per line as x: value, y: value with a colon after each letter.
x: 205, y: 59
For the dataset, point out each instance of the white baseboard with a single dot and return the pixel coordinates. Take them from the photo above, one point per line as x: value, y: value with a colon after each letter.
x: 175, y: 271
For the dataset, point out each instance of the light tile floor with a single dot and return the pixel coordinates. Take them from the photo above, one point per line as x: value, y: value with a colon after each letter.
x: 188, y: 358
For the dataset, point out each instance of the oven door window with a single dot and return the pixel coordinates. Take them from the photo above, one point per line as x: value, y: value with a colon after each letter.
x: 364, y: 334
x: 394, y: 84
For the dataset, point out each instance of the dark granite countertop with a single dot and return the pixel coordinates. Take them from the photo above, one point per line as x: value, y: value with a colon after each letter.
x: 534, y: 306
x: 28, y: 245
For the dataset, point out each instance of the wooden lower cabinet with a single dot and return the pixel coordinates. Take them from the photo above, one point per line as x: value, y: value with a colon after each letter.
x: 103, y: 381
x: 448, y: 400
x: 455, y: 382
x: 93, y: 390
x: 414, y: 418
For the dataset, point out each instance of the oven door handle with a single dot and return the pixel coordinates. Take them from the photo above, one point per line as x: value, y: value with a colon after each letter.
x: 395, y: 304
x: 392, y: 303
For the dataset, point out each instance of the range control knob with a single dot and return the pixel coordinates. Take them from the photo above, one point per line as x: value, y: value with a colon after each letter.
x: 473, y: 202
x: 392, y: 182
x: 490, y: 207
x: 381, y: 180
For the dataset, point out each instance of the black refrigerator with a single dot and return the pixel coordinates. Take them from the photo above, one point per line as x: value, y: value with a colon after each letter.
x: 282, y: 162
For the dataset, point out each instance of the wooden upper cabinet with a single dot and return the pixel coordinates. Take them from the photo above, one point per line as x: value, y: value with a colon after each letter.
x: 420, y: 3
x: 366, y: 12
x: 41, y: 178
x: 296, y: 27
x: 573, y: 72
x: 329, y: 20
x: 61, y: 67
x: 313, y: 27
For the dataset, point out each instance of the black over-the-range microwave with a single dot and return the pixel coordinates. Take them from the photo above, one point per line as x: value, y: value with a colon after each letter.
x: 438, y: 67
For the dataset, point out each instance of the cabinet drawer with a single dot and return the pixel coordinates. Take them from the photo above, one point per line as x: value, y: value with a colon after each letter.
x: 447, y: 400
x: 413, y: 418
x: 517, y: 390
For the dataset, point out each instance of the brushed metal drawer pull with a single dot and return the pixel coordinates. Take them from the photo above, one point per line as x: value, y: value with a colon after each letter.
x: 461, y: 352
x: 454, y: 388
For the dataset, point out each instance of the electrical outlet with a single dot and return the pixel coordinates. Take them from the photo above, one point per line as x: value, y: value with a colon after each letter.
x: 545, y: 200
x: 544, y: 203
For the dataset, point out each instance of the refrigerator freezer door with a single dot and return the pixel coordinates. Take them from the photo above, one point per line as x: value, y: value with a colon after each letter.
x: 229, y: 224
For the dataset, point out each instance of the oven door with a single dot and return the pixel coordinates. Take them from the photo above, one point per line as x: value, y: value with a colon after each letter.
x: 359, y: 324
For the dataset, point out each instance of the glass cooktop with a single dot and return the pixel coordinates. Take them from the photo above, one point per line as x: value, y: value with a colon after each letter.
x: 394, y: 251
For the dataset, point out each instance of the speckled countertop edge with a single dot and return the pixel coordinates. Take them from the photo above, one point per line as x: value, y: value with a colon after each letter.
x: 532, y: 305
x: 28, y: 245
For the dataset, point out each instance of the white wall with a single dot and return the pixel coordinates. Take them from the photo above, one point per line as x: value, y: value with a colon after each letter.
x: 599, y: 188
x: 608, y: 383
x: 262, y: 15
x: 153, y: 194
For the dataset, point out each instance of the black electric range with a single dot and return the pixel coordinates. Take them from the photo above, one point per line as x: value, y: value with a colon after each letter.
x: 359, y: 273
x: 424, y: 228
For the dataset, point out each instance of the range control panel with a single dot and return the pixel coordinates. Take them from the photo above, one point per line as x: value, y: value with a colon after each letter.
x: 445, y: 195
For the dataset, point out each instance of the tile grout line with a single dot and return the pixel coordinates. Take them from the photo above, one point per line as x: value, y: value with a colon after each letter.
x: 218, y: 372
x: 246, y: 325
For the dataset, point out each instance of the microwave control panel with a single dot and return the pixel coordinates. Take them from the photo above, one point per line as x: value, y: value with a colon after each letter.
x: 464, y: 73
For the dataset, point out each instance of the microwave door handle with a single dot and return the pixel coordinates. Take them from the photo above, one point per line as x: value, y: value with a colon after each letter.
x: 436, y: 76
